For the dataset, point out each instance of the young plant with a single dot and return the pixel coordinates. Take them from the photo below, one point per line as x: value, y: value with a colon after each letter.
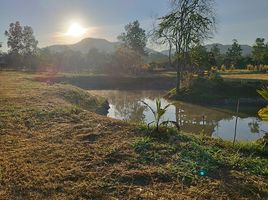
x: 158, y: 114
x: 263, y: 113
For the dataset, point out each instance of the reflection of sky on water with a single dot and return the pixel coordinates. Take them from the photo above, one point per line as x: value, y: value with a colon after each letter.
x: 127, y: 105
x: 225, y: 129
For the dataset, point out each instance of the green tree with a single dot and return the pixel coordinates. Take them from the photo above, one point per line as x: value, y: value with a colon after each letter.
x: 29, y: 42
x: 234, y: 54
x: 127, y: 61
x: 260, y: 52
x: 134, y: 37
x: 22, y: 45
x: 216, y: 54
x: 199, y: 57
x: 163, y: 38
x: 94, y: 58
x: 15, y: 38
x: 188, y: 23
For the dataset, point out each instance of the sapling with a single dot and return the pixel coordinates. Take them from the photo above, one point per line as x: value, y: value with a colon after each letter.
x: 158, y: 114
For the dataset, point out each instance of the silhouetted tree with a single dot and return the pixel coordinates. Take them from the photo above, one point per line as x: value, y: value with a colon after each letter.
x: 162, y: 37
x: 216, y: 54
x: 97, y: 60
x: 127, y: 60
x: 29, y: 42
x: 15, y: 38
x: 234, y: 55
x: 199, y: 57
x: 22, y: 45
x: 260, y: 52
x: 189, y: 22
x: 134, y: 37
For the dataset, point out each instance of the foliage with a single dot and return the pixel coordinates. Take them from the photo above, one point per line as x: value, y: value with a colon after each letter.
x: 15, y: 35
x: 199, y: 57
x: 260, y: 52
x: 218, y: 57
x: 22, y: 45
x: 134, y: 37
x: 158, y: 114
x: 223, y: 68
x: 127, y: 60
x: 215, y: 90
x: 188, y: 23
x: 263, y: 113
x: 234, y: 54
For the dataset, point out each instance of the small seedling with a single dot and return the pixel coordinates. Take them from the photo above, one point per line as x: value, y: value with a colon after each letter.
x: 158, y: 114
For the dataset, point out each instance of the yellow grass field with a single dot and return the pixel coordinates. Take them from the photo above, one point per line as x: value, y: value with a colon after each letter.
x: 54, y: 146
x: 246, y: 76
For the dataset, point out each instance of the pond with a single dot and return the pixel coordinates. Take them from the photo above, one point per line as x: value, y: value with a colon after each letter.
x: 216, y: 122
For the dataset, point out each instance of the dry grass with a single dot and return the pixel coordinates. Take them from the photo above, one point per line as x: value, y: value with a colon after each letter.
x: 54, y: 147
x: 246, y: 76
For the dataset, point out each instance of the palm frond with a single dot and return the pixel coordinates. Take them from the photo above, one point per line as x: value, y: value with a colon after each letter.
x: 264, y: 92
x: 148, y: 107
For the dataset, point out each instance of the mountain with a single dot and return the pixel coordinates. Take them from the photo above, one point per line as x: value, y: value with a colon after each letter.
x: 246, y: 49
x: 89, y: 43
x: 85, y: 45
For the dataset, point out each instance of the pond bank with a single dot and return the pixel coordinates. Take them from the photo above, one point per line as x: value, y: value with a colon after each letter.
x: 123, y: 82
x: 219, y: 91
x: 202, y: 91
x: 54, y: 146
x: 217, y: 122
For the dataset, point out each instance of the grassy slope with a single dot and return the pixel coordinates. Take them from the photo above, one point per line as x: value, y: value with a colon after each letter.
x: 52, y: 146
x: 219, y: 91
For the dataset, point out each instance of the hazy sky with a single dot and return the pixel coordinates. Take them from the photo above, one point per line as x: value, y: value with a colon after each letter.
x: 244, y: 20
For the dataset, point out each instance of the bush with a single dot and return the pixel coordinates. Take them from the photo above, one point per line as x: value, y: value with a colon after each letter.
x: 214, y: 69
x: 223, y: 68
x: 250, y: 67
x: 232, y: 68
x: 152, y: 66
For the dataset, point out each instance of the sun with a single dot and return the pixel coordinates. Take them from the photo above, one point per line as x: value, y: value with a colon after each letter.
x: 76, y: 30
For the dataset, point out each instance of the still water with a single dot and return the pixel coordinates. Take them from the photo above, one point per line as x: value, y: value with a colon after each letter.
x: 217, y: 122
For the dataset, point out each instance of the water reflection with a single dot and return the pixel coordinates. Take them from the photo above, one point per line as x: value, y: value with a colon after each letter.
x: 126, y: 105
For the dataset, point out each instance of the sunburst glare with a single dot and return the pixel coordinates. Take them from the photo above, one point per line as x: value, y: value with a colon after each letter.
x: 76, y: 30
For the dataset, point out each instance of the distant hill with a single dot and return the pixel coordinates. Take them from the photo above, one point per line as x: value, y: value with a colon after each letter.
x: 109, y: 47
x: 89, y: 43
x: 246, y: 49
x: 85, y: 45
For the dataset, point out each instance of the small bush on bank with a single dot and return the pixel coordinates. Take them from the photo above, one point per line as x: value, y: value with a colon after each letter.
x: 232, y: 68
x: 223, y: 68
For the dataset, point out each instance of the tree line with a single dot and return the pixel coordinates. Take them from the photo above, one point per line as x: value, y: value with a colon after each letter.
x: 23, y: 53
x: 233, y: 58
x: 183, y: 29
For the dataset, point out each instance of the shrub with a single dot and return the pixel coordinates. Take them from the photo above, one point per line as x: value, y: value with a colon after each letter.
x: 232, y: 68
x: 214, y: 69
x: 263, y: 68
x: 250, y: 67
x: 223, y: 68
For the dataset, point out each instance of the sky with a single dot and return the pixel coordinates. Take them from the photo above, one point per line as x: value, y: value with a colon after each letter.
x: 244, y: 20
